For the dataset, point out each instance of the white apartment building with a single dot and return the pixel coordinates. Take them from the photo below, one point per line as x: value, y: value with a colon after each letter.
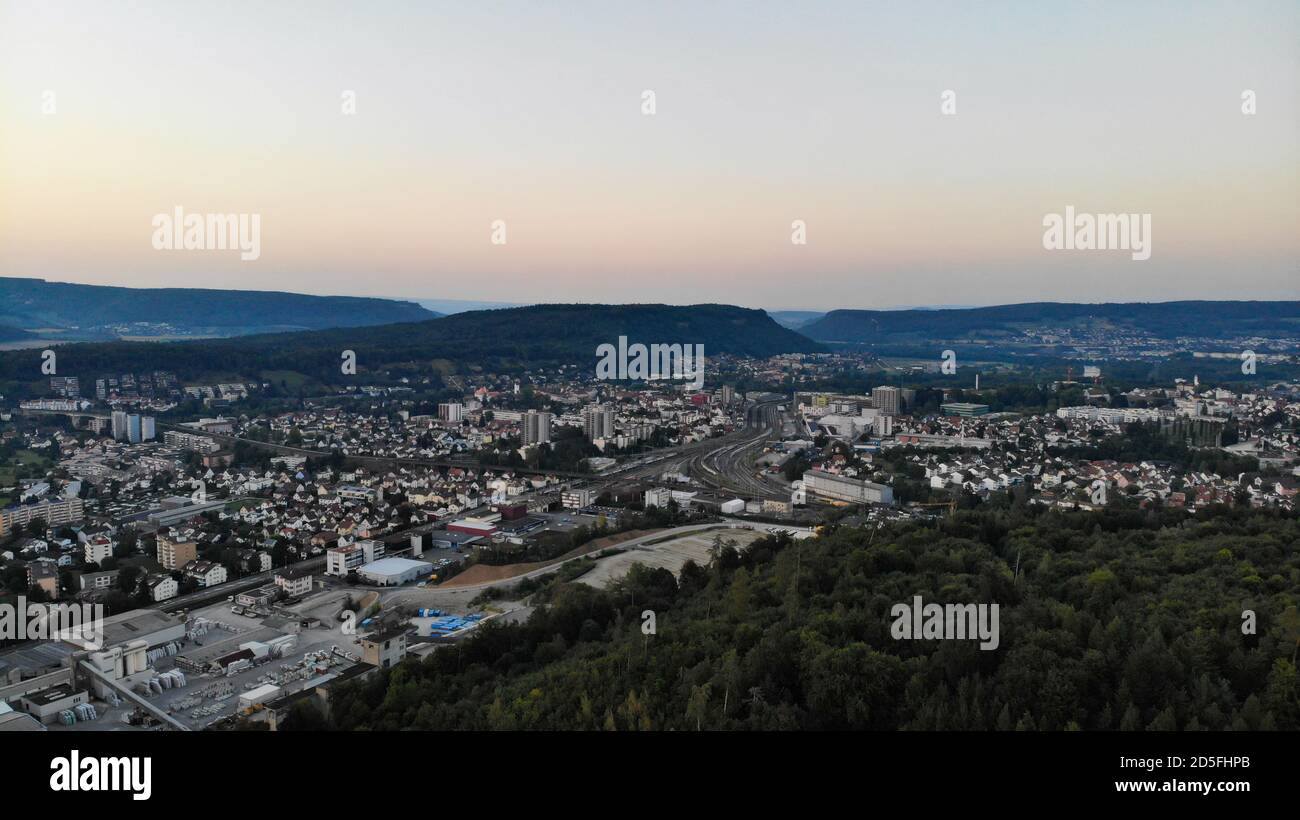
x: 339, y: 561
x: 355, y: 492
x: 598, y: 421
x: 294, y: 583
x: 1111, y: 415
x: 162, y: 587
x: 536, y: 427
x: 207, y: 573
x: 53, y: 513
x: 190, y: 441
x: 97, y: 549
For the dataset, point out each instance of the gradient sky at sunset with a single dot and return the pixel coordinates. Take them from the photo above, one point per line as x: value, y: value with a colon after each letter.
x: 766, y: 113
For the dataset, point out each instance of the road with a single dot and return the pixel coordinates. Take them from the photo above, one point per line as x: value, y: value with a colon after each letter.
x: 209, y: 595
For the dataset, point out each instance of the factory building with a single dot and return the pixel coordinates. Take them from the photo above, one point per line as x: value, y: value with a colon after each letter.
x: 391, y: 572
x: 385, y: 648
x: 841, y: 488
x: 964, y: 408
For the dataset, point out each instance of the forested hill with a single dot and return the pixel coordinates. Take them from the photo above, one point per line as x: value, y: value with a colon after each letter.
x: 1119, y: 620
x: 36, y: 303
x: 525, y: 336
x: 1163, y: 320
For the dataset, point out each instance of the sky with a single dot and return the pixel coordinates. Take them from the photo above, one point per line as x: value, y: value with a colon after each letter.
x: 764, y: 113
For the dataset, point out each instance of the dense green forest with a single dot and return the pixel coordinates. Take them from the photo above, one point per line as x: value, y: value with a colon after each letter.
x: 1116, y: 620
x: 38, y: 303
x: 505, y: 338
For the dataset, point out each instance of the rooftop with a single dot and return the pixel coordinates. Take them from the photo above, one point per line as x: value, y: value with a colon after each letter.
x: 395, y: 566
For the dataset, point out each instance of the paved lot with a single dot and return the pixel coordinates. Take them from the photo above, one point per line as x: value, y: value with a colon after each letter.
x: 563, y: 521
x: 670, y: 555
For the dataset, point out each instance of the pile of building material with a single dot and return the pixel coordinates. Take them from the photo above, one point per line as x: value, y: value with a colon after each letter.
x: 167, y: 680
x: 450, y: 624
x: 162, y: 652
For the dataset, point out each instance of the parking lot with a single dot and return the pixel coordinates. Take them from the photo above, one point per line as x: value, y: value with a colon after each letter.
x: 565, y: 521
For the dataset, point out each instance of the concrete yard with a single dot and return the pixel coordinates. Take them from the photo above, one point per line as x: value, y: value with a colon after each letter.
x: 671, y: 555
x: 208, y: 697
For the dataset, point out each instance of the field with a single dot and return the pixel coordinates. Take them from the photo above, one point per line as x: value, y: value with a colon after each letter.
x: 23, y: 464
x: 290, y: 380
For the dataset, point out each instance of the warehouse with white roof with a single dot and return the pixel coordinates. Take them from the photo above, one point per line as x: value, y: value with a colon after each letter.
x: 391, y: 572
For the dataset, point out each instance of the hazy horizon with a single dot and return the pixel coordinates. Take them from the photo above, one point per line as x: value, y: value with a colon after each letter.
x: 764, y: 114
x: 488, y: 304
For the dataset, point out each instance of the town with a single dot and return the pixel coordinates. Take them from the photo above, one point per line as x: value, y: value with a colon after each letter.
x: 251, y: 560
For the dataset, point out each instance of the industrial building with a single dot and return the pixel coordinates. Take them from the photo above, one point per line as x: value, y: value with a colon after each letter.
x: 384, y: 648
x: 473, y: 526
x: 173, y: 512
x: 442, y: 539
x: 391, y: 572
x: 46, y: 705
x: 262, y: 596
x: 964, y: 408
x: 259, y: 696
x: 14, y: 721
x: 938, y: 441
x: 843, y: 488
x: 577, y: 499
x: 152, y: 626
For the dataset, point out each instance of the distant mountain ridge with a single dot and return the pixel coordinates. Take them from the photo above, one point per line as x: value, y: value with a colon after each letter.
x: 537, y: 335
x: 1162, y: 320
x: 447, y: 307
x: 37, y: 303
x: 13, y: 334
x: 795, y: 319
